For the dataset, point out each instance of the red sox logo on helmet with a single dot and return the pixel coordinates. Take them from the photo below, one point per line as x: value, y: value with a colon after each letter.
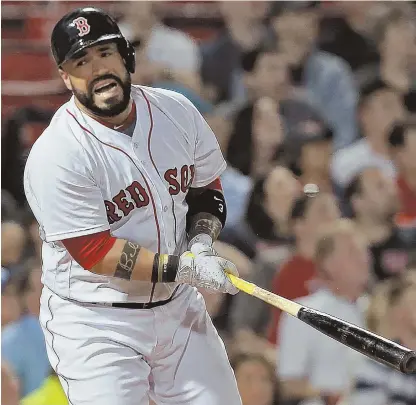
x: 82, y: 26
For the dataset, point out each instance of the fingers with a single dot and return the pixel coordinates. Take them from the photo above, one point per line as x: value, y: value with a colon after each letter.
x: 202, y: 249
x: 230, y: 288
x: 229, y: 267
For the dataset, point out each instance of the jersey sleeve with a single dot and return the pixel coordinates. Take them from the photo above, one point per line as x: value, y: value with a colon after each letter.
x: 209, y: 161
x: 64, y: 197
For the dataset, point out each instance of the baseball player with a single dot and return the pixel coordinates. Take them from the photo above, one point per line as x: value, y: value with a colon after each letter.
x: 124, y: 184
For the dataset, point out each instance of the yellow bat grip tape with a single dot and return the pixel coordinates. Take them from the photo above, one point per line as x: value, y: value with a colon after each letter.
x: 242, y: 284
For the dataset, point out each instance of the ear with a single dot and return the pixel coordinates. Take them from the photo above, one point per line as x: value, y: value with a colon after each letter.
x: 65, y: 77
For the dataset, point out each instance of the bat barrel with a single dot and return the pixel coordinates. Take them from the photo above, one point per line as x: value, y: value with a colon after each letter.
x: 376, y: 347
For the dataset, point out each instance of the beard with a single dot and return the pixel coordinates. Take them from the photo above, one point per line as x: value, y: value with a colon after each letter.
x: 113, y: 105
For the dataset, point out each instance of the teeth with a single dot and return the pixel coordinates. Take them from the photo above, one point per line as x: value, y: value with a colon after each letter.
x: 105, y: 87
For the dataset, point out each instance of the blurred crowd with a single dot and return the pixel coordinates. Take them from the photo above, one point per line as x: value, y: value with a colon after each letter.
x: 296, y: 93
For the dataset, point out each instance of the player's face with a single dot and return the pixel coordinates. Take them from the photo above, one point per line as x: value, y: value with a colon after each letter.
x: 99, y: 80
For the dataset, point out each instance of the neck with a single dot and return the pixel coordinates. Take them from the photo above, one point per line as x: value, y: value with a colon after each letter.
x: 342, y: 291
x: 374, y: 231
x: 118, y: 120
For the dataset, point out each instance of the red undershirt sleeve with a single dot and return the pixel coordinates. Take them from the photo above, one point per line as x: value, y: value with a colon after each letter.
x: 88, y: 250
x: 215, y: 185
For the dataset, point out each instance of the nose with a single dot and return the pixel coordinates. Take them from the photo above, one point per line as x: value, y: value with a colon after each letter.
x: 97, y: 67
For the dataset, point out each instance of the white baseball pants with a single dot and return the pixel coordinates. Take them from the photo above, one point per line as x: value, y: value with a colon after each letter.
x: 117, y: 356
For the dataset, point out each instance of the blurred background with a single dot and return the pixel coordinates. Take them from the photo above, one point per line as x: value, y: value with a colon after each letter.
x: 297, y: 93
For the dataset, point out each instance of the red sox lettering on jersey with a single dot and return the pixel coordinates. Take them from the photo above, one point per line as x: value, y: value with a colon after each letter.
x: 135, y: 195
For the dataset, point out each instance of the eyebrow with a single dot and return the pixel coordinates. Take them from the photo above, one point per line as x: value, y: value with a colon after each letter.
x: 83, y: 53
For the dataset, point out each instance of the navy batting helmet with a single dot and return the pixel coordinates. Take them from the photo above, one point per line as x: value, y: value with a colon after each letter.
x: 85, y: 27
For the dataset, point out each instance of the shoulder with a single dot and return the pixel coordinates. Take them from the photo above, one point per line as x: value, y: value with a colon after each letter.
x: 61, y: 140
x: 359, y: 147
x: 175, y: 106
x: 164, y: 97
x: 347, y: 161
x: 328, y: 63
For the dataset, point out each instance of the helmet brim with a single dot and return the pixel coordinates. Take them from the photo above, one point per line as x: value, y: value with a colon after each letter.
x: 81, y: 45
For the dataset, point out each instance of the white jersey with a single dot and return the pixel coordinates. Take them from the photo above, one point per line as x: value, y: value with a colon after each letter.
x: 82, y: 178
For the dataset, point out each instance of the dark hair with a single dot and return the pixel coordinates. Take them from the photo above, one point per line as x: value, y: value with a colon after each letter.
x: 241, y: 358
x: 354, y: 187
x: 278, y: 8
x: 257, y: 218
x: 409, y: 100
x: 300, y: 207
x: 249, y: 59
x: 397, y: 134
x: 370, y: 87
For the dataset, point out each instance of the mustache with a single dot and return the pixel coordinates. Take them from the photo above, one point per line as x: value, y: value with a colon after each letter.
x: 104, y: 77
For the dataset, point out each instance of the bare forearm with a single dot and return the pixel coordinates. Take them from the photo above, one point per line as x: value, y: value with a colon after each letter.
x: 130, y: 261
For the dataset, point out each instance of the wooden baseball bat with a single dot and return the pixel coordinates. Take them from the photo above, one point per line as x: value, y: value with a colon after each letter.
x: 371, y: 345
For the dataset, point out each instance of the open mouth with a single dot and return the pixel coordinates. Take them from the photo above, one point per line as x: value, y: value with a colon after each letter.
x: 103, y: 87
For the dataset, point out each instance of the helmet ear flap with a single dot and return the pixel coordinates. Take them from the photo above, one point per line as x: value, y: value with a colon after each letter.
x: 128, y: 53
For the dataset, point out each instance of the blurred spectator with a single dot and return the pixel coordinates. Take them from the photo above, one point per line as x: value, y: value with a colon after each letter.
x: 22, y: 341
x: 9, y: 386
x: 273, y: 113
x: 13, y: 240
x: 270, y: 238
x: 402, y: 140
x: 313, y: 157
x: 10, y: 311
x: 380, y: 107
x: 50, y: 393
x: 395, y: 35
x: 297, y: 277
x: 17, y: 138
x: 311, y: 365
x: 236, y: 186
x: 347, y: 35
x: 326, y: 77
x: 256, y: 379
x: 9, y: 210
x: 243, y: 32
x: 164, y: 45
x: 163, y: 53
x: 391, y: 313
x: 270, y: 205
x: 373, y: 198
